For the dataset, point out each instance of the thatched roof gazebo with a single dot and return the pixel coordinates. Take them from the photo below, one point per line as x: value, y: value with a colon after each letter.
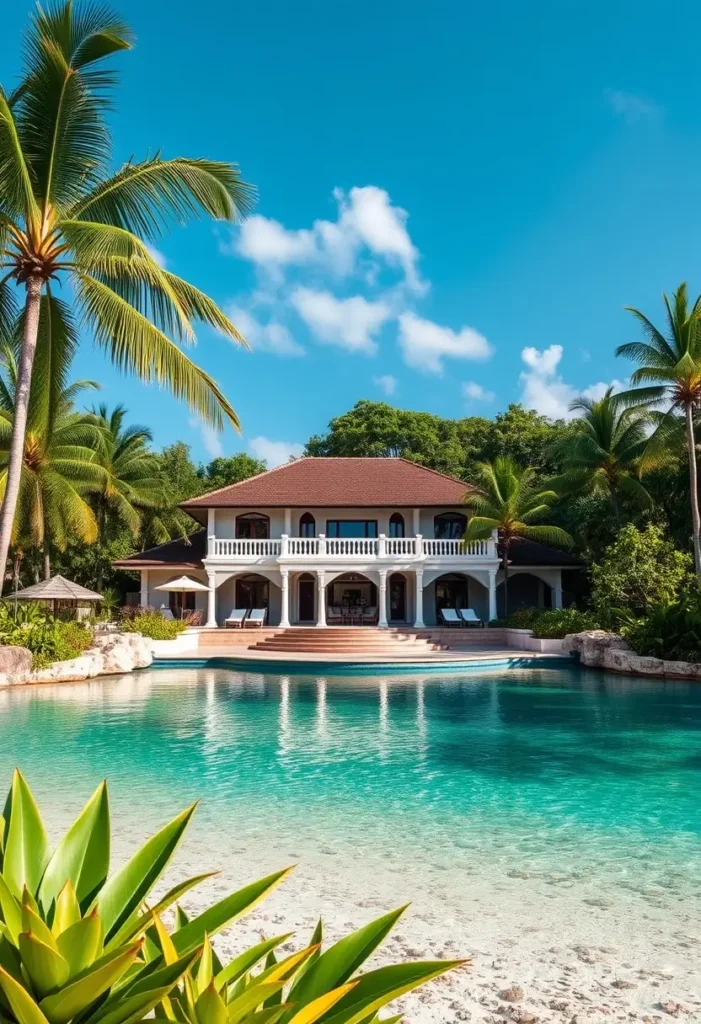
x: 60, y: 594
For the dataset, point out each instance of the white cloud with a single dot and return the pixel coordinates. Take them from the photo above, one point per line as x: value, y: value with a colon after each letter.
x: 386, y: 383
x: 366, y: 219
x: 157, y: 256
x: 210, y: 438
x: 476, y: 393
x: 425, y: 343
x: 271, y: 337
x: 544, y: 389
x: 274, y: 453
x: 351, y: 323
x: 629, y: 106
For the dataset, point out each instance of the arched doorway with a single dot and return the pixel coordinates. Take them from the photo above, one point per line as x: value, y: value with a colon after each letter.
x: 306, y: 609
x: 397, y: 597
x: 351, y: 599
x: 396, y: 525
x: 252, y: 591
x: 451, y: 591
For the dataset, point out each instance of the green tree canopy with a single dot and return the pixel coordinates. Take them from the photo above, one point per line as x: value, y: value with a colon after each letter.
x: 222, y: 471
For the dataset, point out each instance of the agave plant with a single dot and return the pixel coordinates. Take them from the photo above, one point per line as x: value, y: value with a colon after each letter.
x: 79, y: 944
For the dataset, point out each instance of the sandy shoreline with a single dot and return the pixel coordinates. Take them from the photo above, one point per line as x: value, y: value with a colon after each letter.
x: 575, y: 951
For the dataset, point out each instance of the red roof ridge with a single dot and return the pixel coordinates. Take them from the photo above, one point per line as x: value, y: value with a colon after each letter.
x: 256, y: 476
x: 437, y: 472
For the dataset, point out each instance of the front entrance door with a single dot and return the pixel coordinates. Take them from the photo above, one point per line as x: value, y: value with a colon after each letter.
x: 306, y: 599
x: 252, y: 593
x: 450, y: 593
x: 397, y: 598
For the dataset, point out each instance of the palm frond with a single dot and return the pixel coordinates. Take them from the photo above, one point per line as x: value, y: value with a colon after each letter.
x: 146, y: 197
x: 16, y: 184
x: 547, y: 535
x: 137, y: 347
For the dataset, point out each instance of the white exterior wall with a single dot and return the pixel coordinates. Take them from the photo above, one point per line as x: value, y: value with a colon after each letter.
x: 225, y: 521
x: 157, y: 598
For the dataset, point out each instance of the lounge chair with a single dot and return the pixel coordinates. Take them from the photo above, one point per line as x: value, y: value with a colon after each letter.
x: 450, y: 617
x: 334, y: 614
x: 369, y: 615
x: 470, y: 617
x: 235, y: 620
x: 167, y: 613
x: 256, y: 617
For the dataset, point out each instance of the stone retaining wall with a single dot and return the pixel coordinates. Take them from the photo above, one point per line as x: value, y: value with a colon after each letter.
x: 111, y: 653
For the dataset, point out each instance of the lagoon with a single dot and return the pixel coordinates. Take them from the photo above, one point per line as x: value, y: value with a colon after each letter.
x: 521, y: 811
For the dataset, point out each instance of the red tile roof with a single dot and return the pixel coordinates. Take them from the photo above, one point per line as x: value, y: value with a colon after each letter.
x: 337, y: 483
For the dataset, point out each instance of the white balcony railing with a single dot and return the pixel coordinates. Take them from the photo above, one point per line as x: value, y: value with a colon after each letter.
x: 400, y: 548
x: 458, y: 548
x: 247, y: 548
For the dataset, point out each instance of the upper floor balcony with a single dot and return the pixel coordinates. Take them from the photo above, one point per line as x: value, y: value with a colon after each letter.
x: 382, y: 549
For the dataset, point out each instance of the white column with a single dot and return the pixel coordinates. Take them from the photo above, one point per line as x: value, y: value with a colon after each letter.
x: 419, y: 620
x: 382, y: 546
x: 417, y: 520
x: 321, y: 599
x: 492, y: 594
x: 288, y: 521
x: 143, y: 596
x: 382, y: 619
x: 212, y: 599
x: 285, y: 607
x: 557, y: 590
x: 284, y: 545
x: 211, y: 530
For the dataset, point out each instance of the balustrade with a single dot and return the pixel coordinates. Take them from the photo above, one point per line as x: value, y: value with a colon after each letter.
x: 351, y: 547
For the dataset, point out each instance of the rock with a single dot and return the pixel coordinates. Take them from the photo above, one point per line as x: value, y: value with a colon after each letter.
x: 672, y: 1008
x: 598, y: 649
x: 123, y: 652
x: 15, y: 663
x: 592, y: 644
x: 561, y: 1005
x: 512, y: 994
x: 86, y: 666
x: 519, y: 1014
x: 622, y: 983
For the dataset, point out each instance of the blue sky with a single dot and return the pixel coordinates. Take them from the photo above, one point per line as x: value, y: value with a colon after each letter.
x: 456, y: 199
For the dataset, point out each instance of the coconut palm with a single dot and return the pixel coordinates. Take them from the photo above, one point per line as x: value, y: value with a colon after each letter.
x: 602, y: 454
x: 58, y: 461
x: 511, y: 501
x: 669, y: 370
x: 131, y: 479
x: 65, y: 217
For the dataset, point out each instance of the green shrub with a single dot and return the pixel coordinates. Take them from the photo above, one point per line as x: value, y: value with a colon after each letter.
x: 80, y: 945
x: 48, y: 639
x: 670, y: 630
x: 151, y: 623
x: 558, y: 622
x: 641, y: 569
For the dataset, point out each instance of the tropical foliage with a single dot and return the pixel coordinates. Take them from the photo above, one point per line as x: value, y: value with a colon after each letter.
x: 669, y: 629
x: 512, y: 502
x: 551, y: 623
x: 49, y: 639
x: 82, y: 944
x: 66, y: 216
x: 152, y: 624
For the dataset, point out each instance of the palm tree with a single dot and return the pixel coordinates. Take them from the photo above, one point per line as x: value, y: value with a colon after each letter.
x: 603, y: 452
x: 131, y: 480
x: 669, y: 368
x: 65, y: 217
x: 58, y: 459
x: 511, y: 501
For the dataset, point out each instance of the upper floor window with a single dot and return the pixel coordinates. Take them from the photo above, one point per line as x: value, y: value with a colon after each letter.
x: 253, y: 526
x: 351, y: 528
x: 396, y: 525
x: 449, y: 526
x: 307, y: 525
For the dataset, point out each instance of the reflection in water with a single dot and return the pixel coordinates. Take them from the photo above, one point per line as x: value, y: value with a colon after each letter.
x: 545, y: 766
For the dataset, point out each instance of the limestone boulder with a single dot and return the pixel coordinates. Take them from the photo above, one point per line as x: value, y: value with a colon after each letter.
x: 73, y: 670
x: 123, y: 652
x: 593, y: 646
x: 15, y: 663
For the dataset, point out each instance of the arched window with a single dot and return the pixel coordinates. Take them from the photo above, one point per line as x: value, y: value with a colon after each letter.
x: 307, y: 525
x: 396, y: 525
x: 253, y: 526
x: 449, y: 526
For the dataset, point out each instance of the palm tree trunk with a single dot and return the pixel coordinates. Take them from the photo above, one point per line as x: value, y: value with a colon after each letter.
x: 47, y: 554
x: 693, y: 487
x: 505, y: 563
x: 32, y: 308
x: 101, y: 521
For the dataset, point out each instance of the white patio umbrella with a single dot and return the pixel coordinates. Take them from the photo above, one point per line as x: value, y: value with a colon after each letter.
x: 183, y: 585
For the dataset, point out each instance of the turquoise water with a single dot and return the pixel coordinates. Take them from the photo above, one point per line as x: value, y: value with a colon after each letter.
x: 559, y: 771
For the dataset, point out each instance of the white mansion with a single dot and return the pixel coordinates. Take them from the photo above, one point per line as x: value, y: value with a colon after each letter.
x: 318, y: 535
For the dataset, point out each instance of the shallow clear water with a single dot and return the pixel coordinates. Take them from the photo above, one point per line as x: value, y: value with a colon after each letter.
x: 567, y: 772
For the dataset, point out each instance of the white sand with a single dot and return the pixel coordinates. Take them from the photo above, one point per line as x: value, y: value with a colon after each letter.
x: 578, y: 953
